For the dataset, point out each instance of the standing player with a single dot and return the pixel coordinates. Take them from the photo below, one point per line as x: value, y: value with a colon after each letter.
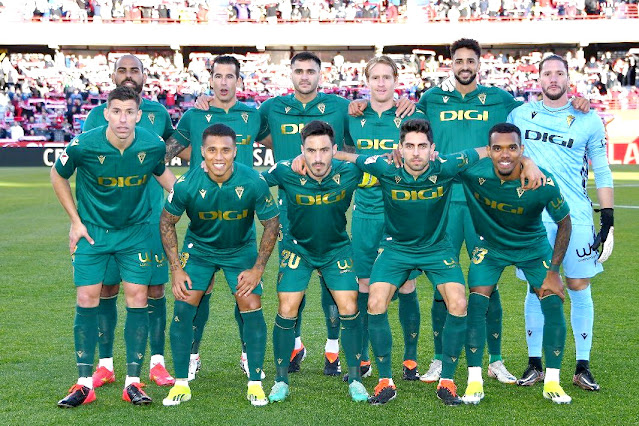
x: 129, y: 72
x: 247, y: 123
x: 508, y: 218
x: 376, y: 131
x: 111, y: 221
x: 221, y: 204
x: 415, y: 207
x: 317, y: 239
x: 563, y: 140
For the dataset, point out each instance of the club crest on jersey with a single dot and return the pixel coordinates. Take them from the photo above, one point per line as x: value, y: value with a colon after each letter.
x: 75, y: 142
x: 397, y: 121
x: 245, y: 116
x: 534, y: 114
x: 433, y: 178
x: 481, y: 181
x: 303, y: 181
x: 141, y: 156
x: 287, y: 109
x: 208, y: 117
x: 363, y: 121
x: 203, y: 192
x: 570, y: 119
x: 151, y: 116
x: 398, y: 179
x: 445, y: 99
x: 520, y: 191
x: 322, y: 108
x: 336, y: 178
x: 239, y: 190
x: 482, y: 98
x: 101, y: 159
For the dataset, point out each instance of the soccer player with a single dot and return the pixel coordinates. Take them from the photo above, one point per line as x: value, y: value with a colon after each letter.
x: 129, y: 72
x: 415, y: 207
x: 247, y: 123
x: 377, y: 132
x: 111, y: 221
x: 508, y: 219
x: 563, y: 140
x: 316, y: 240
x: 221, y: 203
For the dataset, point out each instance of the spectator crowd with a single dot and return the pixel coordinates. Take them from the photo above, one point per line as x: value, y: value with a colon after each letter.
x: 49, y: 97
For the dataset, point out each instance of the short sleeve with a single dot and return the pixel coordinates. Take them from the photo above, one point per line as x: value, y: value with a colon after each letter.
x: 182, y: 133
x: 375, y: 165
x: 454, y: 164
x: 177, y: 198
x: 265, y: 205
x: 264, y: 110
x: 70, y: 158
x: 557, y: 207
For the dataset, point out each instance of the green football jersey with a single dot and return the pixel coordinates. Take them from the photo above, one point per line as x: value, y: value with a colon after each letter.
x: 286, y: 116
x: 317, y: 210
x: 111, y: 186
x: 373, y: 134
x: 505, y: 215
x: 155, y: 119
x: 244, y: 120
x: 415, y: 210
x: 461, y: 122
x: 222, y: 216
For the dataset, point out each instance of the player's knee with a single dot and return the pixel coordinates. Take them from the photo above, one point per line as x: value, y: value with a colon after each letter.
x: 577, y: 284
x: 348, y: 307
x: 288, y: 310
x: 457, y: 305
x: 408, y: 287
x: 252, y: 303
x: 109, y: 290
x: 377, y: 304
x: 86, y: 300
x: 156, y: 291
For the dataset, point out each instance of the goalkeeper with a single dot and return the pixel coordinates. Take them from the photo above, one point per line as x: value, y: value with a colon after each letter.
x: 562, y: 140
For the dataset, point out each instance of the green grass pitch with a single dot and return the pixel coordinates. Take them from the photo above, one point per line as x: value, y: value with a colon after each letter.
x: 37, y: 302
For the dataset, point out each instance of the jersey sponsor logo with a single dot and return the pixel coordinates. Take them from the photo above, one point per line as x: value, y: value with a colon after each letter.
x: 220, y: 215
x: 321, y: 108
x: 557, y: 203
x: 482, y: 98
x: 101, y: 159
x: 151, y: 116
x: 203, y: 193
x: 502, y: 207
x: 312, y: 200
x: 362, y: 122
x: 336, y: 178
x: 534, y: 135
x: 570, y: 119
x: 246, y: 141
x: 433, y: 178
x: 481, y: 181
x: 414, y: 195
x: 141, y: 156
x: 397, y: 121
x: 345, y: 266
x: 245, y: 117
x: 291, y: 129
x: 471, y: 114
x: 450, y: 263
x: 385, y: 144
x: 445, y: 99
x: 144, y: 258
x: 208, y: 117
x: 122, y: 181
x: 463, y: 160
x: 287, y: 109
x: 520, y: 192
x: 239, y: 190
x: 159, y: 260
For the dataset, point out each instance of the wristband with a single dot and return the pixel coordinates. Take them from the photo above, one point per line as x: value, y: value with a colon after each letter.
x: 554, y: 268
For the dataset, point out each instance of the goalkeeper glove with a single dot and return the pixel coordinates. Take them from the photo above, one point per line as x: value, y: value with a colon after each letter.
x: 605, y: 237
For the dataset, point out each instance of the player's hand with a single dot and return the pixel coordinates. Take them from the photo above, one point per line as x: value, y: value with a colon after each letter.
x: 247, y: 281
x: 552, y: 285
x: 531, y: 177
x: 405, y: 107
x: 397, y: 158
x: 180, y: 281
x: 202, y: 102
x: 605, y: 237
x: 299, y: 165
x: 78, y: 231
x: 356, y: 108
x: 448, y: 85
x: 581, y: 104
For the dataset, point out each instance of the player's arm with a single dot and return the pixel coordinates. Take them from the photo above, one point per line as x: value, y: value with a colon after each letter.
x: 166, y: 179
x: 63, y: 192
x: 552, y: 283
x: 179, y: 278
x: 249, y: 279
x: 173, y: 148
x: 203, y: 101
x: 531, y: 177
x: 351, y: 157
x: 267, y: 141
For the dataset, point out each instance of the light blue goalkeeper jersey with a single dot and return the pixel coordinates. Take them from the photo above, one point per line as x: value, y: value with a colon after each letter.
x: 562, y: 141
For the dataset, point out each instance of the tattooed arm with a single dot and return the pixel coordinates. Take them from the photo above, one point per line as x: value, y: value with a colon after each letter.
x: 249, y: 279
x: 552, y: 283
x: 179, y: 278
x: 173, y: 148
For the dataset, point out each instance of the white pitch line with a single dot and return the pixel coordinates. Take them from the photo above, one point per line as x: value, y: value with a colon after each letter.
x: 620, y: 207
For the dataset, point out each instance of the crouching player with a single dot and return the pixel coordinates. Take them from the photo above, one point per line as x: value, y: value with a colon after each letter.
x: 317, y: 239
x: 111, y: 223
x: 508, y: 219
x: 221, y: 204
